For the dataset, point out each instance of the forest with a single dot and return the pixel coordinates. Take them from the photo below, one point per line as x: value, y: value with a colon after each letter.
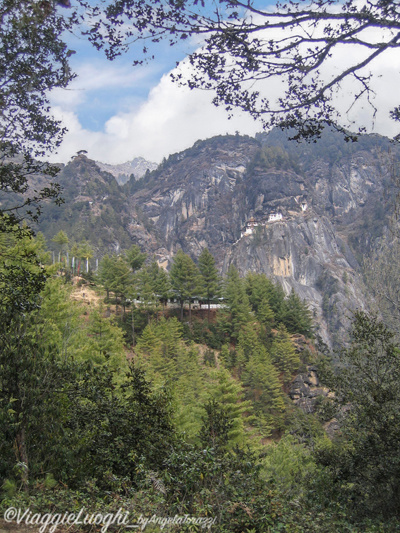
x: 110, y: 398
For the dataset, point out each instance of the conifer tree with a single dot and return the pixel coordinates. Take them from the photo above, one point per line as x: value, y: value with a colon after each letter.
x: 158, y: 349
x: 59, y: 318
x: 264, y: 389
x: 145, y: 288
x: 296, y: 316
x: 135, y: 258
x: 283, y: 353
x: 265, y: 314
x: 148, y: 341
x: 209, y: 277
x: 229, y: 394
x: 170, y: 333
x: 262, y: 290
x: 149, y: 357
x: 184, y: 277
x: 102, y: 341
x: 236, y: 301
x: 227, y: 356
x: 161, y: 283
x: 276, y: 299
x: 105, y: 273
x: 122, y: 279
x: 189, y: 391
x: 61, y: 240
x: 259, y: 289
x: 248, y: 342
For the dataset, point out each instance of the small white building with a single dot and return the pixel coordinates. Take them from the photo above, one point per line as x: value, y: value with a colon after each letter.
x: 273, y: 217
x: 303, y: 206
x: 249, y: 228
x: 252, y: 223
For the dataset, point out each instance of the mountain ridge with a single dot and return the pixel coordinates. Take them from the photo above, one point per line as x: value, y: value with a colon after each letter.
x: 123, y: 171
x: 330, y: 197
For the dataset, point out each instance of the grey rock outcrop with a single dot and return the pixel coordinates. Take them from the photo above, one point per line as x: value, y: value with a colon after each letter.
x: 305, y: 390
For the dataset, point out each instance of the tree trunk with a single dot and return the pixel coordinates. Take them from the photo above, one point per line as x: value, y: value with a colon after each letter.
x: 133, y: 329
x: 23, y: 456
x: 208, y: 310
x: 181, y: 310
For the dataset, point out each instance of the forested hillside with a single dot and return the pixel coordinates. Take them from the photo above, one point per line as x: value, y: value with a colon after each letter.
x: 178, y: 394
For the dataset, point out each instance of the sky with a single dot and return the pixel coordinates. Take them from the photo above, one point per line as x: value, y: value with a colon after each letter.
x: 118, y: 112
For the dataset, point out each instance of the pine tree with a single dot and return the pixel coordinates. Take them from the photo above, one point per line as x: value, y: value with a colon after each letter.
x: 283, y: 353
x: 149, y: 357
x: 210, y: 283
x: 144, y: 286
x: 229, y: 394
x: 189, y: 392
x: 248, y: 342
x: 264, y: 390
x: 236, y: 301
x: 61, y: 240
x: 261, y: 291
x: 105, y: 273
x: 265, y: 314
x: 170, y: 333
x: 161, y: 283
x: 148, y: 341
x: 296, y: 316
x: 184, y: 277
x: 135, y: 258
x: 59, y: 318
x: 102, y: 341
x: 227, y: 356
x: 121, y: 279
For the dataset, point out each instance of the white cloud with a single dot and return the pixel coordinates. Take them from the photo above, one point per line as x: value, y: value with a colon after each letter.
x: 172, y: 118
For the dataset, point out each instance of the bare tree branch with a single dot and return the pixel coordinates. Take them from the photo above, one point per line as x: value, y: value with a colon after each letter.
x: 244, y: 45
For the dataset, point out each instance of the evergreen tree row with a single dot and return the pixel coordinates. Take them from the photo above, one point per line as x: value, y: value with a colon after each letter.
x: 255, y: 296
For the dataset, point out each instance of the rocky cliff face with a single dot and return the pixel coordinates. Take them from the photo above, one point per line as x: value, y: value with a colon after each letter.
x: 302, y: 214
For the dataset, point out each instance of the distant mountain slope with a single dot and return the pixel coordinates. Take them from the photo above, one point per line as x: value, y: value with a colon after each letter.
x: 326, y: 202
x: 122, y: 172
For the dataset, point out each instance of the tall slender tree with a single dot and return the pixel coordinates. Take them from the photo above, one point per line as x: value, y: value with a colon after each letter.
x: 61, y: 240
x: 236, y: 301
x: 283, y: 353
x: 122, y: 279
x: 210, y: 282
x: 184, y: 277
